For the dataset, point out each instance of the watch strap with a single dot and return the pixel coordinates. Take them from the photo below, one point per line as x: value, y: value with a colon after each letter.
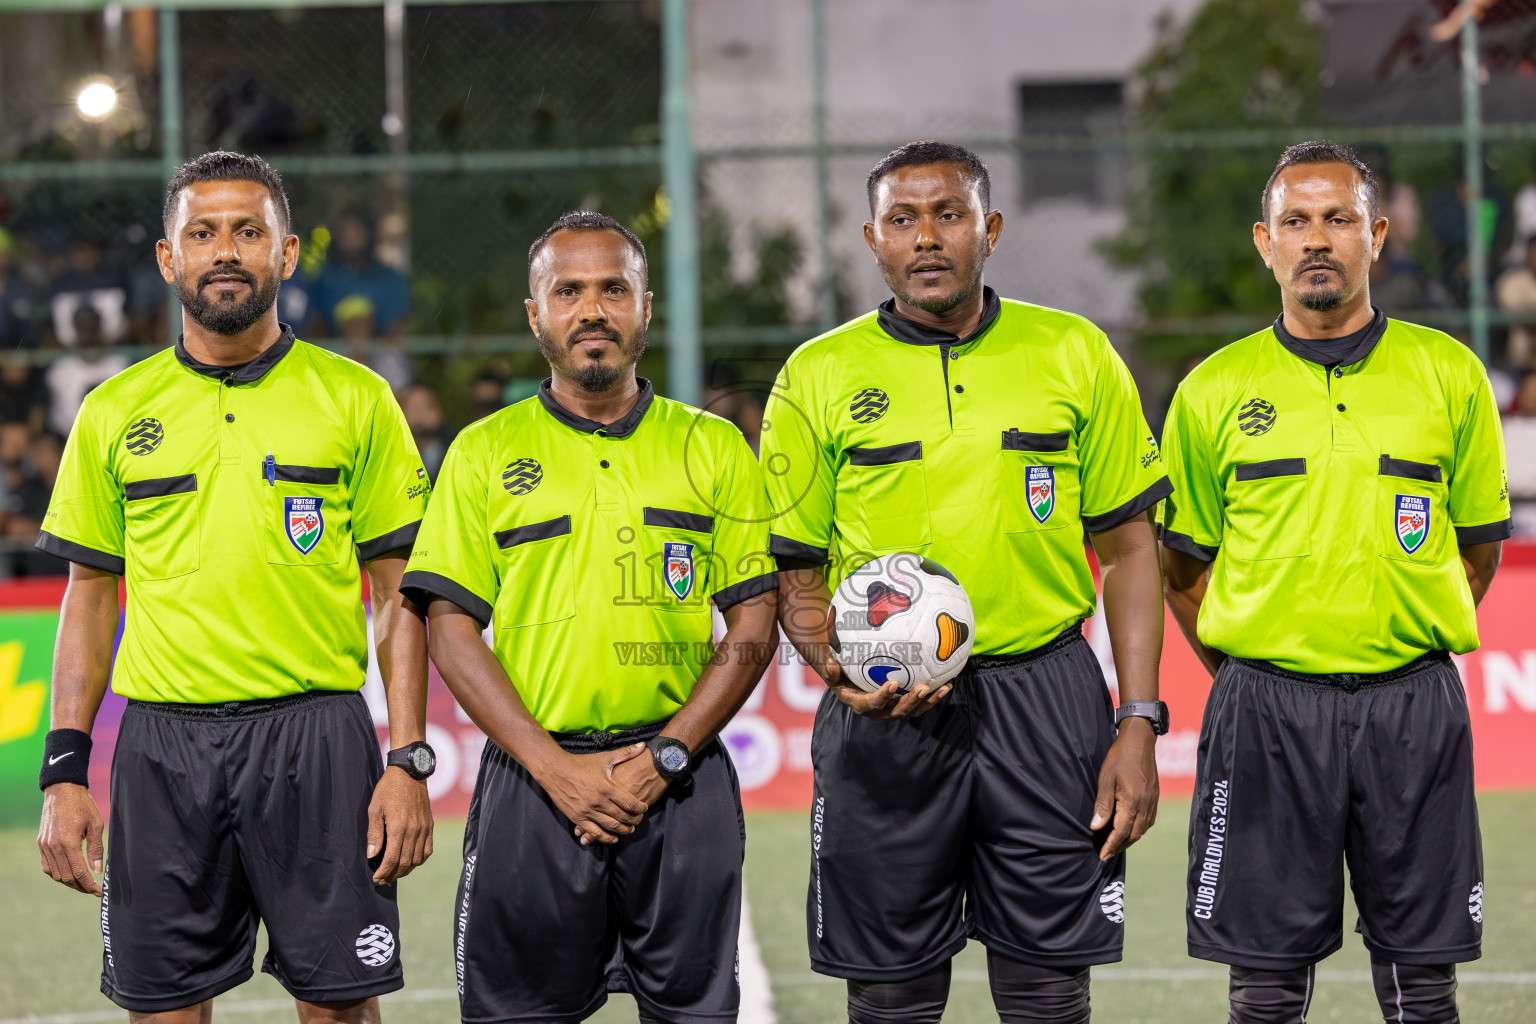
x: 1155, y: 711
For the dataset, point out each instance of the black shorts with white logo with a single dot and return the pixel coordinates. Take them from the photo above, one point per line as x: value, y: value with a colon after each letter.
x: 227, y: 815
x: 968, y: 821
x: 1300, y: 774
x: 545, y: 928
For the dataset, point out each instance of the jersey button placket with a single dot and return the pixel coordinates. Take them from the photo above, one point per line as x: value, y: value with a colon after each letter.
x: 606, y: 485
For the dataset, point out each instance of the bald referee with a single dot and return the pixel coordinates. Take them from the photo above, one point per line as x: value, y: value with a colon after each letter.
x: 234, y: 482
x: 1339, y: 505
x: 987, y: 435
x: 592, y: 528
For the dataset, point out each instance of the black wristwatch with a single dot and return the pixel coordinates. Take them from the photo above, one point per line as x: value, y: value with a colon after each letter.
x: 671, y: 756
x: 1154, y: 711
x: 417, y: 759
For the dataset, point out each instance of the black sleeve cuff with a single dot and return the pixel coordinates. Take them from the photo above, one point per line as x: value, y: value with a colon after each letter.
x: 421, y: 587
x: 1485, y: 534
x: 1131, y: 509
x: 80, y: 554
x: 404, y: 537
x: 739, y: 592
x: 1186, y: 544
x: 785, y: 547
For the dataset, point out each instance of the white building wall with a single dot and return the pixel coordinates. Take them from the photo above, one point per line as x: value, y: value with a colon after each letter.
x: 907, y: 69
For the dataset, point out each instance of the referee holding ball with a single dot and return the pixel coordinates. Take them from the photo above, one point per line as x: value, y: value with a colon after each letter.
x: 234, y: 482
x: 1339, y: 504
x: 987, y: 435
x: 592, y: 527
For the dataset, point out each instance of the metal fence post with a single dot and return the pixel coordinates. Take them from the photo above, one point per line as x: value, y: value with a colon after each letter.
x: 685, y: 356
x: 826, y: 298
x: 1472, y: 164
x: 170, y: 133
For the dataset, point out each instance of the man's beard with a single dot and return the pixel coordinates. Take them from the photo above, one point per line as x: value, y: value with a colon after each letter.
x: 943, y: 304
x: 1321, y: 300
x: 225, y: 315
x: 591, y: 375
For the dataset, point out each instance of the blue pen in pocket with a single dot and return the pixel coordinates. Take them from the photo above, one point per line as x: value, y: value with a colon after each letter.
x: 270, y: 470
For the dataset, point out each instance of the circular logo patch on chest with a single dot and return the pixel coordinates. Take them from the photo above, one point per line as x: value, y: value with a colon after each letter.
x: 869, y: 405
x: 144, y: 436
x: 1255, y: 417
x: 522, y: 476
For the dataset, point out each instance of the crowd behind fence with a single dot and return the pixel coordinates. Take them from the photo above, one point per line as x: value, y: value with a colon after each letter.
x: 419, y: 174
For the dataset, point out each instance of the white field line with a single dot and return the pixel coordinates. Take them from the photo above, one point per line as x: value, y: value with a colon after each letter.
x: 756, y: 990
x: 1118, y: 974
x: 758, y: 1008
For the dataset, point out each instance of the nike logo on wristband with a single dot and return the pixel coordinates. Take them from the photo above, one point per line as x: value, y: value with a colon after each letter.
x: 55, y: 760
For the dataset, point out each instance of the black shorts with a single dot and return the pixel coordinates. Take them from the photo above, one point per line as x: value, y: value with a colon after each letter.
x: 228, y: 814
x: 545, y: 928
x: 968, y: 821
x: 1298, y: 775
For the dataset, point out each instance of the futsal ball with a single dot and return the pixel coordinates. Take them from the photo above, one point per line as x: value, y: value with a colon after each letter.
x: 901, y: 619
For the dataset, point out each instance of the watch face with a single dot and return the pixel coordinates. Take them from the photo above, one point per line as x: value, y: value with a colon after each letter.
x: 423, y: 760
x: 673, y: 759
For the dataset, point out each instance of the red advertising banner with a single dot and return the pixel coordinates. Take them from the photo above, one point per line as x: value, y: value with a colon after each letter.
x: 770, y: 740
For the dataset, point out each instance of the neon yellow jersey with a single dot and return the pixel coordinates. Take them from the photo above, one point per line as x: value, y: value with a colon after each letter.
x: 236, y: 501
x: 989, y: 454
x: 595, y: 551
x: 1332, y: 499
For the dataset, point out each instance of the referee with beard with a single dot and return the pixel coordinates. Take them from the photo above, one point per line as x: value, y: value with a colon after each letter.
x: 234, y: 482
x: 592, y: 527
x: 988, y: 435
x: 1338, y: 511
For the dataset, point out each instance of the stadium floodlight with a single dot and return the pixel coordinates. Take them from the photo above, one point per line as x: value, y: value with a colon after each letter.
x: 96, y: 100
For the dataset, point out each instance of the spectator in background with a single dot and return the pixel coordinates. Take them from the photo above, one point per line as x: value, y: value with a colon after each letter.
x: 28, y: 469
x: 16, y: 307
x: 352, y: 267
x: 726, y: 397
x: 424, y: 415
x: 1516, y: 294
x: 87, y: 283
x: 23, y: 398
x: 1525, y: 396
x: 72, y: 377
x: 486, y: 395
x: 354, y: 319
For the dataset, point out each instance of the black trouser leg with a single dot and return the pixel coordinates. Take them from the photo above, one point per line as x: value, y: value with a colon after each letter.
x: 1415, y: 993
x: 1030, y: 994
x: 918, y: 1000
x: 1270, y: 997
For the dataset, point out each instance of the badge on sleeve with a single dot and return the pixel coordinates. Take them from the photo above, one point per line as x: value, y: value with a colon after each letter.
x: 1041, y: 484
x: 306, y: 521
x: 677, y: 564
x: 1412, y: 515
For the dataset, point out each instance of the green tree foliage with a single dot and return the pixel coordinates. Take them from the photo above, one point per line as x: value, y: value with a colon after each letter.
x: 1237, y: 64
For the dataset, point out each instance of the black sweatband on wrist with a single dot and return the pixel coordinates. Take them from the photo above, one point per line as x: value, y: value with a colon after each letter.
x: 66, y: 758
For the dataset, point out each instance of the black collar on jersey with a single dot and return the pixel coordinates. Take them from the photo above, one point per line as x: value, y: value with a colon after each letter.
x: 913, y: 333
x: 1346, y: 351
x: 245, y: 373
x: 621, y: 427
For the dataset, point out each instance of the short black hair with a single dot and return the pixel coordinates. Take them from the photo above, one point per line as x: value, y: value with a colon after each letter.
x: 1323, y: 151
x: 921, y: 154
x: 222, y: 165
x: 588, y: 220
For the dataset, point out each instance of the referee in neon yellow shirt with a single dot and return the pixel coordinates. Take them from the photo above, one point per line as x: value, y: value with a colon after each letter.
x: 1338, y: 509
x: 988, y: 435
x: 234, y: 482
x: 592, y: 528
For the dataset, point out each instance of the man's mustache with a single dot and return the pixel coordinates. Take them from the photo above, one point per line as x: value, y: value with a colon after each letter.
x: 594, y: 333
x: 235, y: 272
x: 1318, y: 263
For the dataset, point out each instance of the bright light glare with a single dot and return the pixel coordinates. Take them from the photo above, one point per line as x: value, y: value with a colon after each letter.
x: 96, y: 100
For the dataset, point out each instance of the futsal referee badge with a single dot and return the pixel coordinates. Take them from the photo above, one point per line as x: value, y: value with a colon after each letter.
x: 306, y: 522
x: 1412, y: 515
x: 677, y: 564
x: 1040, y: 482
